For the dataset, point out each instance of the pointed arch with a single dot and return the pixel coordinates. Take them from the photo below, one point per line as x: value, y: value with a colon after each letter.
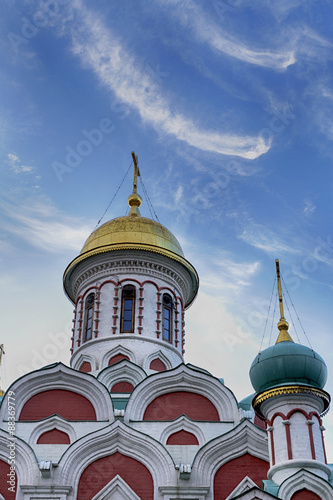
x: 84, y: 358
x: 182, y: 378
x: 244, y: 438
x: 158, y: 355
x: 26, y: 464
x: 119, y: 349
x: 60, y: 377
x: 123, y: 371
x: 54, y: 422
x: 182, y: 423
x: 117, y: 486
x: 305, y: 479
x: 116, y: 437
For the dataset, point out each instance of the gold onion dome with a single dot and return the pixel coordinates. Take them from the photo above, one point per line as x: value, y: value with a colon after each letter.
x: 134, y: 233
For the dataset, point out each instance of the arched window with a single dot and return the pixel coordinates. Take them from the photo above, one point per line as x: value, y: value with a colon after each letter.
x: 88, y: 320
x: 167, y: 318
x: 127, y: 309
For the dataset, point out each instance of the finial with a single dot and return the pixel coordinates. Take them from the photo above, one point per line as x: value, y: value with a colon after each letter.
x: 135, y: 200
x: 282, y: 324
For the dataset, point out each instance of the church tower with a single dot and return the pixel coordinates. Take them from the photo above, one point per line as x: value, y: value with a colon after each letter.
x: 130, y: 285
x: 289, y: 380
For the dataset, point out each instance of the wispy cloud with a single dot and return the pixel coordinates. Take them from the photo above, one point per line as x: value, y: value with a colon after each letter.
x: 42, y: 225
x: 17, y: 166
x: 308, y: 208
x: 208, y: 31
x: 263, y: 238
x: 100, y: 51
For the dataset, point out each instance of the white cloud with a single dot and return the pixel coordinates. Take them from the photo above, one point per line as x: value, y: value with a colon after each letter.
x: 263, y: 238
x: 309, y: 208
x: 17, y: 166
x: 208, y: 31
x: 100, y: 51
x: 44, y: 226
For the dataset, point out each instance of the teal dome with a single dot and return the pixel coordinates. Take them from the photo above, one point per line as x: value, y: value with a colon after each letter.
x: 287, y: 363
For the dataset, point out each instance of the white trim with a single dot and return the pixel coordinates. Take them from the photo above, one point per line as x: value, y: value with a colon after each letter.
x: 26, y: 463
x: 107, y: 441
x: 123, y: 371
x: 117, y: 486
x: 49, y: 492
x: 245, y: 485
x: 187, y: 493
x: 305, y: 479
x: 62, y: 377
x: 182, y: 378
x: 183, y: 423
x: 244, y: 438
x: 84, y: 358
x: 119, y: 349
x: 53, y: 422
x: 157, y: 355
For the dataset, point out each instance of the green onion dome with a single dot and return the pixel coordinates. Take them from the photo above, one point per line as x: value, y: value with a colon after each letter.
x: 287, y: 363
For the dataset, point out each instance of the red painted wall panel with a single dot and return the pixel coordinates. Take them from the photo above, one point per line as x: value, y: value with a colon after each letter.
x: 67, y: 404
x: 157, y: 365
x: 117, y: 358
x: 54, y: 436
x: 305, y: 495
x: 85, y: 367
x: 172, y: 405
x: 122, y: 387
x: 231, y: 474
x: 4, y: 470
x: 102, y: 471
x: 182, y: 437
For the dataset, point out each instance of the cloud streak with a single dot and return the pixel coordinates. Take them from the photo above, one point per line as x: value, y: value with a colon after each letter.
x: 207, y: 31
x: 118, y: 71
x: 42, y: 225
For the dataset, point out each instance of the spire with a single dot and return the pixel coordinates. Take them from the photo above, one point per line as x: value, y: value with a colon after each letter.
x: 135, y: 200
x: 282, y: 324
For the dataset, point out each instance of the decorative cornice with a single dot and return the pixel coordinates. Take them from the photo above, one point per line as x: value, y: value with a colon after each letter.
x: 122, y: 266
x: 290, y: 389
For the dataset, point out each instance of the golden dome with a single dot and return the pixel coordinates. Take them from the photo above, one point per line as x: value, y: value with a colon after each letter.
x: 133, y: 232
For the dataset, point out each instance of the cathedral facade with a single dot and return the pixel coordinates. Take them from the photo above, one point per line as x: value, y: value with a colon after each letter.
x: 130, y: 420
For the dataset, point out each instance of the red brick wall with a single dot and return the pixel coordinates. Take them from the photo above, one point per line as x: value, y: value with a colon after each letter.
x: 102, y: 471
x: 182, y: 437
x: 157, y: 365
x: 4, y: 470
x: 117, y: 358
x: 54, y: 437
x: 122, y: 387
x: 305, y: 495
x: 85, y: 367
x: 231, y: 474
x: 67, y: 404
x: 172, y: 405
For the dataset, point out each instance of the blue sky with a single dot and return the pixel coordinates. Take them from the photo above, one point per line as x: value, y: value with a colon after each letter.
x: 228, y: 105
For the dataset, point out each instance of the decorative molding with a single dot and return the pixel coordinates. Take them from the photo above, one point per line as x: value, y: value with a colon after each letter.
x: 245, y: 485
x: 59, y: 376
x: 108, y: 440
x: 244, y: 438
x: 157, y: 355
x: 119, y: 488
x: 182, y: 378
x: 183, y: 423
x: 290, y: 389
x: 50, y: 423
x: 305, y: 479
x: 123, y: 371
x: 119, y: 349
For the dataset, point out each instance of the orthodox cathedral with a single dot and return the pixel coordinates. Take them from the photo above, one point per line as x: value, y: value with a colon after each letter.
x: 129, y: 420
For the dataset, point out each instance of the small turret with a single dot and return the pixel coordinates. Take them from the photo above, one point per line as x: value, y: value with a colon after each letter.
x: 289, y: 379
